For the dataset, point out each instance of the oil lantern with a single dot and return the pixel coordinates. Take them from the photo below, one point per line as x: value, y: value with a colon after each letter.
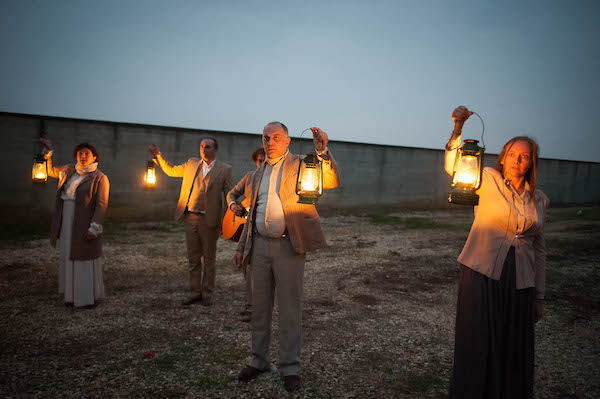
x: 467, y: 174
x: 39, y: 172
x: 310, y: 180
x: 150, y: 176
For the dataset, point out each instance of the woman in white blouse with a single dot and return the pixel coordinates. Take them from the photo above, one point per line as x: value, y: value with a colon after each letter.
x: 77, y: 222
x: 502, y: 275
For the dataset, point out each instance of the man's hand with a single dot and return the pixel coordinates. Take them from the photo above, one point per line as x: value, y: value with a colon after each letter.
x: 238, y: 210
x: 237, y: 259
x: 319, y: 138
x: 461, y: 114
x: 154, y: 150
x: 539, y: 309
x: 89, y: 236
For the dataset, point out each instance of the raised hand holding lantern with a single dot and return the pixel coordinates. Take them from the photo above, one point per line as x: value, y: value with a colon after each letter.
x: 468, y: 166
x: 467, y: 174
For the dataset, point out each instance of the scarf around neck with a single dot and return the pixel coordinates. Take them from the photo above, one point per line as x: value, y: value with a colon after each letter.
x: 81, y: 170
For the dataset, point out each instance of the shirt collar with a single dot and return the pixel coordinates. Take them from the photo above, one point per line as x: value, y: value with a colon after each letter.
x: 526, y: 195
x: 209, y: 165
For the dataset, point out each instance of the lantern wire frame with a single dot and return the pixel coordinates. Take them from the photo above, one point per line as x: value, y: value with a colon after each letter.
x: 482, y: 130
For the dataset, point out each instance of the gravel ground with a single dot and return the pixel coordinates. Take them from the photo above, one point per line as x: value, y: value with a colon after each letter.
x: 378, y: 315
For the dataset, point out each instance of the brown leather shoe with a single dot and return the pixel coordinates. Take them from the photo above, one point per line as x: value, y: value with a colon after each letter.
x: 292, y: 382
x: 248, y: 374
x: 191, y: 300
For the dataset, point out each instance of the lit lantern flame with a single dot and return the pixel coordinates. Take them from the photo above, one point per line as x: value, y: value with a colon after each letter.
x: 39, y: 172
x: 467, y: 171
x: 467, y: 174
x: 310, y: 180
x: 150, y: 176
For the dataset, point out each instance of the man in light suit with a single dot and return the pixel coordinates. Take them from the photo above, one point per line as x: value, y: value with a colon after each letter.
x: 244, y: 188
x: 206, y: 182
x: 278, y: 233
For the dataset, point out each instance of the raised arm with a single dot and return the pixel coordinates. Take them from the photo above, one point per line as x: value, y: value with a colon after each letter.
x: 459, y: 116
x: 166, y: 166
x: 53, y: 171
x: 331, y: 178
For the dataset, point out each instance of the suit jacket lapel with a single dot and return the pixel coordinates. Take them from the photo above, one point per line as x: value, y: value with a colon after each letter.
x: 212, y: 173
x: 290, y: 169
x: 195, y: 169
x: 257, y: 177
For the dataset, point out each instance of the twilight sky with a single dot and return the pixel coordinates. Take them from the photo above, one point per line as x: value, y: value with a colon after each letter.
x: 385, y: 72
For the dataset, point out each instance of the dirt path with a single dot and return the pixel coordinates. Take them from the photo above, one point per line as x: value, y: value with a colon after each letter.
x: 378, y: 315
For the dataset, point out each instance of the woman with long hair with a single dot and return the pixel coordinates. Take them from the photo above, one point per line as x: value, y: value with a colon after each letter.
x: 502, y: 275
x: 77, y: 223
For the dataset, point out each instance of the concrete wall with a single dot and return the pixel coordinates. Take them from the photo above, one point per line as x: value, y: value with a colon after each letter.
x: 370, y: 174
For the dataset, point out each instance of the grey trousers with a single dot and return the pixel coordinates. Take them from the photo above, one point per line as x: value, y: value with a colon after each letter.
x: 249, y: 287
x: 201, y: 242
x: 275, y: 264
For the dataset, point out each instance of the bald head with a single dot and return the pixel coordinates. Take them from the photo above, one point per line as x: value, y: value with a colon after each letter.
x: 275, y: 139
x: 273, y: 126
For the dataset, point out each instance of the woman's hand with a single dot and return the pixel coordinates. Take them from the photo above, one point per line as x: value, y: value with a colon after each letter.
x: 539, y: 309
x: 461, y: 114
x: 47, y: 144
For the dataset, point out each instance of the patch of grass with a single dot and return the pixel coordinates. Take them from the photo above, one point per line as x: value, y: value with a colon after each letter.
x: 141, y: 233
x: 212, y: 382
x: 421, y: 383
x: 416, y: 223
x: 566, y: 280
x: 574, y: 213
x: 165, y: 362
x: 13, y: 235
x: 411, y: 223
x: 390, y: 373
x: 567, y: 249
x: 115, y: 228
x: 228, y: 355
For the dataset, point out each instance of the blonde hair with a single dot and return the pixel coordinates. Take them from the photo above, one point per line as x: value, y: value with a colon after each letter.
x: 531, y: 174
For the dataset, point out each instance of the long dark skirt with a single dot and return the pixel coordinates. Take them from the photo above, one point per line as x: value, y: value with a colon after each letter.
x: 495, y: 336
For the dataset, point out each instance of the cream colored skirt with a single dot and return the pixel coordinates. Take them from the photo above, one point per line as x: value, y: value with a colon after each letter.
x: 80, y: 280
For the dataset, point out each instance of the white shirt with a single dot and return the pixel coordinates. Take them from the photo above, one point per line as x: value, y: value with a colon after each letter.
x: 270, y: 219
x: 206, y: 167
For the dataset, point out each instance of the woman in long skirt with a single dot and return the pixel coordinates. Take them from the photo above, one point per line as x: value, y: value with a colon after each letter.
x: 502, y: 275
x: 77, y: 223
